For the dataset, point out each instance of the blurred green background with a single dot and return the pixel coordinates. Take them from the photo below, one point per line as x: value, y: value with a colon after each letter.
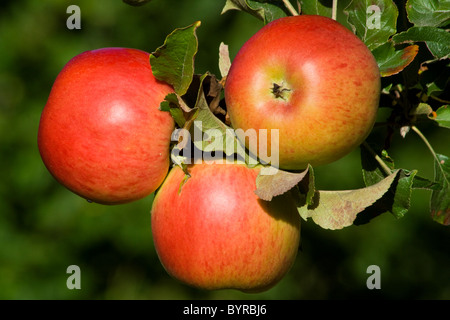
x: 44, y: 228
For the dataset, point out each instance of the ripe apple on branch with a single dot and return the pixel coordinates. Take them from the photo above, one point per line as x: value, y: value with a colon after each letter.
x: 319, y: 85
x: 101, y: 133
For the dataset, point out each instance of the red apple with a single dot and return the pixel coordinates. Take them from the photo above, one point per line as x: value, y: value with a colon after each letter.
x: 310, y: 78
x: 101, y: 132
x: 213, y: 232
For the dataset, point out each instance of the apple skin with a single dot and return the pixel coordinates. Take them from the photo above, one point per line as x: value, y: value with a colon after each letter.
x: 101, y: 133
x: 312, y: 79
x: 215, y: 233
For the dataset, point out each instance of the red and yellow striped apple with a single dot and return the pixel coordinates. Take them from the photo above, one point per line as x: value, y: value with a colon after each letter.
x: 101, y: 133
x: 213, y: 232
x: 310, y: 78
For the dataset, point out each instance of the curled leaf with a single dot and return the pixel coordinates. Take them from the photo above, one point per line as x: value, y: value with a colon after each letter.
x: 224, y: 60
x: 173, y: 62
x: 339, y: 209
x: 209, y: 137
x: 266, y: 11
x: 422, y: 109
x: 173, y: 104
x: 269, y: 186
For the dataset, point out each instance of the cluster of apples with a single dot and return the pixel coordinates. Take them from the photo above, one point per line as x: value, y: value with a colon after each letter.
x: 103, y: 136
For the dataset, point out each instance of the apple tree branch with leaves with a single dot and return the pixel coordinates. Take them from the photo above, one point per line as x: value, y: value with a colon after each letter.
x: 411, y: 95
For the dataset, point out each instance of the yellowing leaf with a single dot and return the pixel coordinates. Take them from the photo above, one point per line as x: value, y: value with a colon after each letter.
x: 269, y: 186
x: 224, y: 60
x: 392, y: 61
x: 338, y: 209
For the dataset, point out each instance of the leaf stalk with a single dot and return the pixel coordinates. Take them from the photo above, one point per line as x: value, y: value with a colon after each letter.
x: 429, y: 146
x: 334, y: 12
x: 290, y: 7
x: 380, y: 161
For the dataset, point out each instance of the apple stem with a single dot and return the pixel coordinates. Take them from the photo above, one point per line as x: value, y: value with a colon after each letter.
x: 280, y: 91
x: 380, y: 161
x: 334, y: 12
x: 290, y: 7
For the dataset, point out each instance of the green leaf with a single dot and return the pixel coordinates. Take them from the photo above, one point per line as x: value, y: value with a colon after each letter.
x: 211, y: 135
x: 242, y: 6
x: 173, y: 62
x: 398, y: 200
x: 443, y: 117
x: 172, y: 105
x: 426, y: 184
x: 437, y: 40
x: 339, y: 209
x: 439, y: 84
x: 415, y: 34
x: 306, y: 189
x: 391, y: 60
x: 439, y: 50
x: 266, y: 11
x: 373, y: 21
x: 421, y: 109
x: 433, y: 13
x: 440, y: 199
x: 371, y: 168
x: 401, y: 197
x: 325, y: 8
x: 316, y: 7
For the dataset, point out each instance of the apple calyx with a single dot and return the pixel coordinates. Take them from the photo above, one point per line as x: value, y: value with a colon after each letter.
x: 281, y: 91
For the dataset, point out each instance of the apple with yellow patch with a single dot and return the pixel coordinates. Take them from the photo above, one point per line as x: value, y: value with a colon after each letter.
x: 310, y: 78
